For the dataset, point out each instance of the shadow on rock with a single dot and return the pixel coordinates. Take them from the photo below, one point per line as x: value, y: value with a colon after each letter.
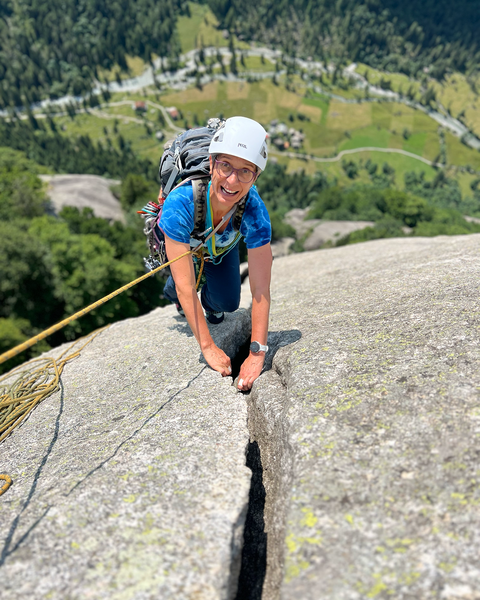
x: 7, y: 548
x: 277, y: 340
x: 254, y: 553
x: 181, y: 326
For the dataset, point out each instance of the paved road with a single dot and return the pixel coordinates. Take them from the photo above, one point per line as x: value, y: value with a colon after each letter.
x: 182, y: 78
x: 355, y: 151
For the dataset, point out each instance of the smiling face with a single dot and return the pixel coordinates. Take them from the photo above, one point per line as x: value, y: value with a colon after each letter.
x: 227, y: 191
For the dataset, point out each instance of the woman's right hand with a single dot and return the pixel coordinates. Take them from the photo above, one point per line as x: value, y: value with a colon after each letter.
x: 218, y: 360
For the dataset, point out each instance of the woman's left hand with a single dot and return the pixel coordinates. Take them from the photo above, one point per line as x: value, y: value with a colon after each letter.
x: 250, y: 370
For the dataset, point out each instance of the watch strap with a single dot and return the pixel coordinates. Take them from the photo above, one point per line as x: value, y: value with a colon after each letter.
x: 261, y: 347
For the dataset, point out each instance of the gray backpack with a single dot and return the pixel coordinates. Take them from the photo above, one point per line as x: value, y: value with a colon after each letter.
x: 187, y: 156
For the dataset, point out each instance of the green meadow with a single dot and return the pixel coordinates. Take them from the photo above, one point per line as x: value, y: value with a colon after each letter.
x: 200, y: 29
x: 330, y: 126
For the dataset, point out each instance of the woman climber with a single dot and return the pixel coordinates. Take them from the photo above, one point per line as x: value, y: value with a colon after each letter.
x: 237, y: 154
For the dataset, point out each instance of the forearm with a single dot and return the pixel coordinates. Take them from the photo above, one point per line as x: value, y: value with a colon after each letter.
x: 183, y: 273
x: 259, y: 264
x: 260, y: 314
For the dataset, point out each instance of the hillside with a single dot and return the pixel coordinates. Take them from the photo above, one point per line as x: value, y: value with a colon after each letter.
x: 361, y: 477
x: 401, y: 36
x: 57, y: 48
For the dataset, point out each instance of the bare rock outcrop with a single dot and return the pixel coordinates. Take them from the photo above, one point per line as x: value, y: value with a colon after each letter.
x: 131, y: 481
x: 321, y: 232
x: 361, y: 477
x: 83, y: 191
x: 368, y: 427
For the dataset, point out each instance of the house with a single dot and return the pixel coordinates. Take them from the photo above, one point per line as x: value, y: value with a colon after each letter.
x: 173, y: 112
x: 139, y: 106
x: 295, y: 142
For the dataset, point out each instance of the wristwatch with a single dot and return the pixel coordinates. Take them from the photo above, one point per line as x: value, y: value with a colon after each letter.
x: 256, y: 347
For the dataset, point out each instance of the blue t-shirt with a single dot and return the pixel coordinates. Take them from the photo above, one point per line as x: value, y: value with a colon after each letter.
x: 177, y: 221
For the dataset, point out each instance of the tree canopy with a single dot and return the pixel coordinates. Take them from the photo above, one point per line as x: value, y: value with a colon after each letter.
x: 52, y: 266
x: 49, y: 49
x: 393, y: 35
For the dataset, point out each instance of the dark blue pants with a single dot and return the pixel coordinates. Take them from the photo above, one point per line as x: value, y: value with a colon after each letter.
x: 221, y: 292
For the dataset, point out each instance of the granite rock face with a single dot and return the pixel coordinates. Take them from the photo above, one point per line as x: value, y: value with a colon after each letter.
x: 319, y: 232
x: 130, y: 482
x: 84, y: 191
x: 368, y: 426
x: 362, y: 435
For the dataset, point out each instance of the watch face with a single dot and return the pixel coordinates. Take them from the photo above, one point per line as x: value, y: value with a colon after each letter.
x: 255, y: 347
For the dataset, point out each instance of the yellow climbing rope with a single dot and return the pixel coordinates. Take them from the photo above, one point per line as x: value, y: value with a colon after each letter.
x: 7, y: 484
x: 18, y: 399
x: 41, y: 336
x: 32, y: 385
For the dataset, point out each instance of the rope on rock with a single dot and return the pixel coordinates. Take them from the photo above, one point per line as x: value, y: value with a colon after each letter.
x: 7, y: 484
x: 32, y: 385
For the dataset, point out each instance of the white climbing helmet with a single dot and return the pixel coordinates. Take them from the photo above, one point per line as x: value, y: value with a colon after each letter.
x: 241, y: 137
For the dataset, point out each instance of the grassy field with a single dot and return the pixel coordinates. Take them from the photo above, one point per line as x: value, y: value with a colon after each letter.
x: 398, y: 81
x: 459, y: 154
x: 253, y: 64
x: 330, y: 126
x: 401, y: 164
x: 457, y: 95
x: 200, y: 28
x: 136, y: 66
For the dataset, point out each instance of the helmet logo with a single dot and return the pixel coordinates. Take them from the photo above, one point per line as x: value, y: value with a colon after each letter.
x: 242, y: 146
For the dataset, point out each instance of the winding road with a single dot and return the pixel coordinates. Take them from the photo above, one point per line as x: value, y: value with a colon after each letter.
x: 343, y: 153
x: 182, y: 78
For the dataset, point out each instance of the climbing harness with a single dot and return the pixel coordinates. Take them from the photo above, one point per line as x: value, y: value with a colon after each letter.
x: 152, y: 213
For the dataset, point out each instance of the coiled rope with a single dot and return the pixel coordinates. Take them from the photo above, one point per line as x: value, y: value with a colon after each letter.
x: 7, y: 484
x: 33, y: 385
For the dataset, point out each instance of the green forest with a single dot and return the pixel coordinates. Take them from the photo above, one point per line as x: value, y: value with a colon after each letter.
x: 45, y: 145
x: 49, y: 49
x: 52, y: 266
x: 403, y: 36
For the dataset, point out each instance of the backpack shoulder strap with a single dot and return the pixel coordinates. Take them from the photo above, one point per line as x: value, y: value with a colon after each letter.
x: 238, y: 214
x: 200, y: 187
